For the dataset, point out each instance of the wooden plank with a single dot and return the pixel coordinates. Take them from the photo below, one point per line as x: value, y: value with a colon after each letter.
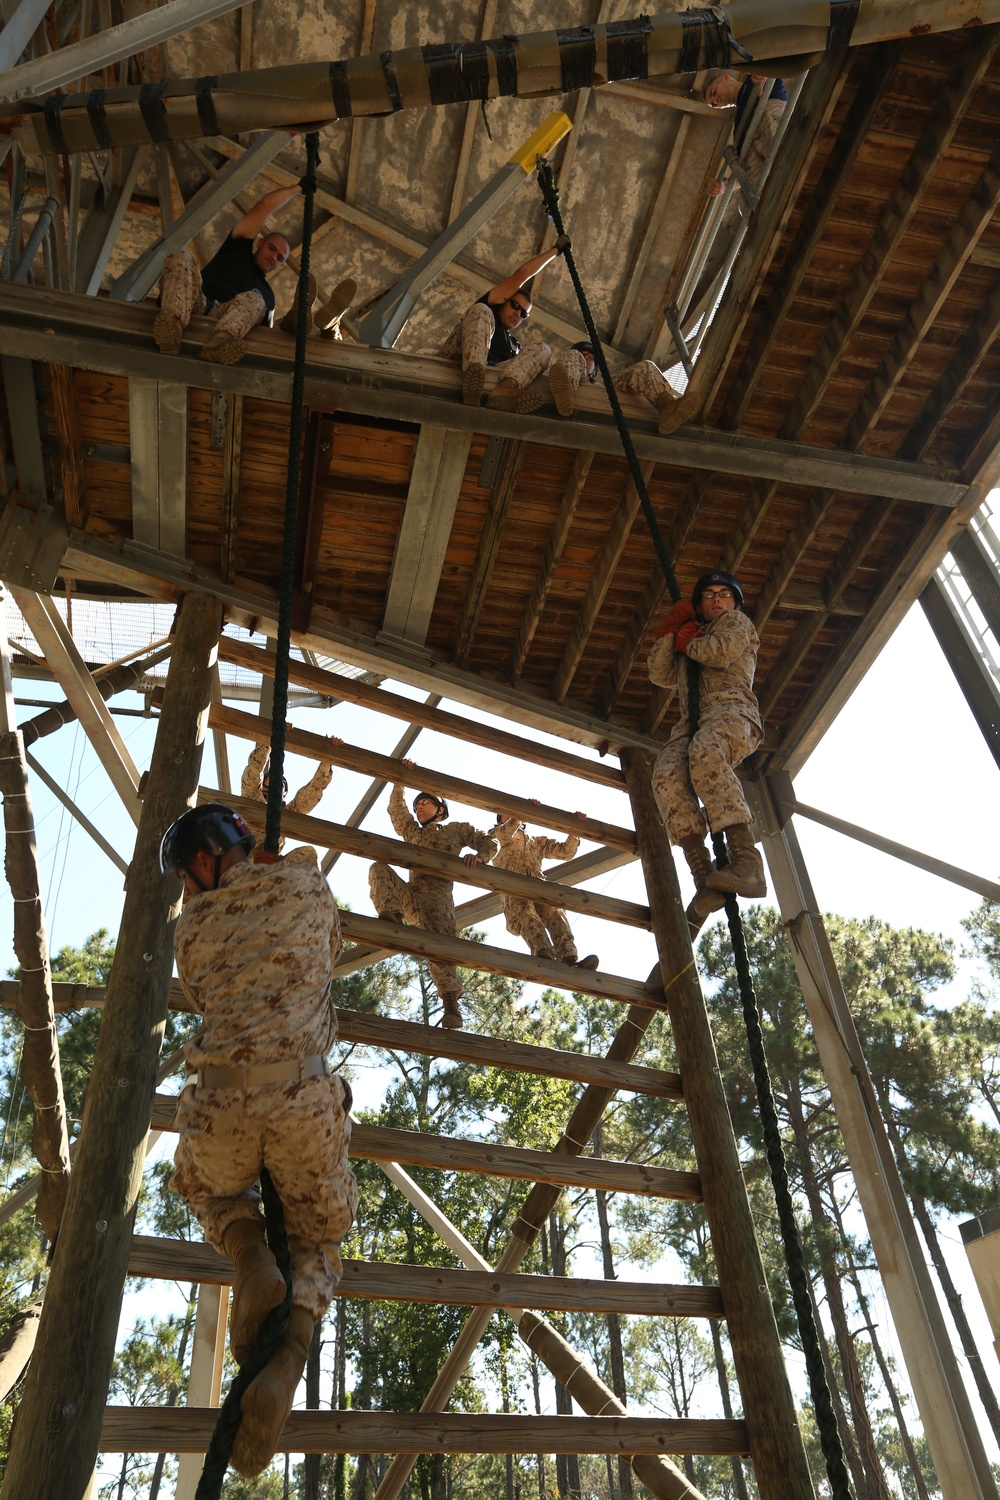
x: 174, y: 1429
x: 412, y: 857
x: 331, y: 684
x: 969, y: 353
x: 597, y: 589
x: 439, y: 463
x: 232, y: 459
x: 365, y: 1030
x: 554, y: 546
x: 186, y: 1260
x: 391, y: 769
x: 486, y: 551
x: 67, y: 425
x: 401, y: 938
x: 488, y: 1159
x: 365, y: 47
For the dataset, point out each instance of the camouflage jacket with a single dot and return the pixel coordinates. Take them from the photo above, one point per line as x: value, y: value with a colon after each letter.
x: 254, y: 958
x: 726, y: 652
x: 444, y: 838
x: 523, y: 852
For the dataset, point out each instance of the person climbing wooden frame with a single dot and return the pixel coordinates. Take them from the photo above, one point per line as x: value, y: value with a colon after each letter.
x: 256, y: 780
x: 485, y: 336
x: 255, y: 945
x: 713, y: 630
x: 643, y: 378
x: 427, y: 900
x: 544, y: 928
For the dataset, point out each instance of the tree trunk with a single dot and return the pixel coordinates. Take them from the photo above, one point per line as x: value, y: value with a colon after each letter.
x: 616, y: 1357
x: 311, y: 1461
x: 739, y: 1479
x: 189, y: 1313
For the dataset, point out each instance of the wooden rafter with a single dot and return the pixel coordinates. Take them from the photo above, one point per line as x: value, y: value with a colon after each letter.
x: 486, y: 552
x: 366, y: 45
x: 553, y: 552
x: 486, y: 26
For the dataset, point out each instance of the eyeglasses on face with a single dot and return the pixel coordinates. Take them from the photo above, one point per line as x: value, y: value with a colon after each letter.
x: 519, y: 306
x: 716, y: 594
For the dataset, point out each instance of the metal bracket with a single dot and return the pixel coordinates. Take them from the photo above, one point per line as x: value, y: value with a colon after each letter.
x: 33, y: 539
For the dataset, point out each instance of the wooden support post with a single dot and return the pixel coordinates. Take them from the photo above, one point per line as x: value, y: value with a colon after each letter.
x: 776, y: 1447
x: 40, y: 1052
x: 208, y: 1348
x: 59, y: 1429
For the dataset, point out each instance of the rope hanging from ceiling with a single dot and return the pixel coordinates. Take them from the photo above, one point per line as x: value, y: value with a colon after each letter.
x: 826, y: 1420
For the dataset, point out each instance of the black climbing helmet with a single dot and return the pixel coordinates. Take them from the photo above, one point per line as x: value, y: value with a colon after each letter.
x: 212, y: 829
x: 726, y: 579
x: 442, y: 812
x: 586, y: 347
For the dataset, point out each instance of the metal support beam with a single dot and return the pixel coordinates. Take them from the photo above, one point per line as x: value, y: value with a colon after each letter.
x: 69, y: 64
x: 158, y: 420
x: 19, y: 30
x: 960, y: 1461
x: 70, y: 671
x: 103, y: 222
x: 972, y: 672
x: 387, y: 319
x: 144, y: 273
x: 439, y: 461
x: 46, y: 216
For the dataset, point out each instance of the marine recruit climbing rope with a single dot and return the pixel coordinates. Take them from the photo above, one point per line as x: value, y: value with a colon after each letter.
x: 274, y: 1325
x: 833, y: 1452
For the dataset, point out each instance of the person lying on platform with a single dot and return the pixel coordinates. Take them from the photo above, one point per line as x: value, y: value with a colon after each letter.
x: 255, y: 946
x: 643, y: 378
x: 427, y: 900
x: 233, y: 288
x: 712, y: 630
x: 544, y: 928
x: 485, y: 336
x: 257, y: 779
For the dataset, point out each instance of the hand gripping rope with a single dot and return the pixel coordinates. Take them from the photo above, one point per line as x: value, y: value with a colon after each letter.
x: 274, y: 1325
x: 826, y: 1421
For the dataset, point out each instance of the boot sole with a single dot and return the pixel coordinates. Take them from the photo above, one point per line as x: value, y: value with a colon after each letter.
x: 562, y: 392
x: 260, y: 1429
x: 168, y: 333
x: 336, y: 305
x: 225, y: 352
x: 590, y: 962
x: 523, y: 403
x: 473, y: 382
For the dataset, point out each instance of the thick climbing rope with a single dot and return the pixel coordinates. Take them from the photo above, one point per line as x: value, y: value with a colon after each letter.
x: 274, y: 1325
x: 826, y: 1421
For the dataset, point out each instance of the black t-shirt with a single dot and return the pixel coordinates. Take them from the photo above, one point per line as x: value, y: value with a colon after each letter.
x: 232, y: 270
x: 503, y: 344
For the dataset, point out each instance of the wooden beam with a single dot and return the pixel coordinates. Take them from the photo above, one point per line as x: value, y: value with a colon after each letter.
x: 487, y: 549
x: 618, y: 534
x: 187, y: 1260
x: 487, y: 22
x: 872, y: 88
x: 399, y: 937
x: 969, y: 353
x: 805, y: 528
x: 332, y: 684
x: 554, y: 546
x: 158, y: 423
x: 927, y: 155
x: 67, y: 424
x: 390, y: 769
x: 366, y: 44
x: 414, y: 857
x: 232, y: 459
x: 488, y: 1159
x: 439, y: 462
x: 178, y: 1429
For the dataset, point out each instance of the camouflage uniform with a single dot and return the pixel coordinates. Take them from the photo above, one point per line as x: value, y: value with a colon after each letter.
x: 254, y: 957
x: 426, y: 900
x: 544, y: 928
x: 729, y: 728
x: 305, y: 799
x: 182, y: 297
x: 641, y: 379
x: 470, y: 339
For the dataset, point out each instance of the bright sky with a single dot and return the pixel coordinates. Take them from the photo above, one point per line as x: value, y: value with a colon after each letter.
x: 904, y: 758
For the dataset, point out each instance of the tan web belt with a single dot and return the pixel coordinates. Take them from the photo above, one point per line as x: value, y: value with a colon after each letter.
x: 296, y: 1070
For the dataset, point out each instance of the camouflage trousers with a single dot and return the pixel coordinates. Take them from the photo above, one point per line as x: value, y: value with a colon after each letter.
x: 424, y: 903
x: 181, y: 295
x: 703, y: 767
x: 301, y: 1133
x: 471, y: 339
x: 642, y: 379
x: 544, y: 928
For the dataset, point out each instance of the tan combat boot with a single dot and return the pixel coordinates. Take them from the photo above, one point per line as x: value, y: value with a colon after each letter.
x: 223, y: 349
x: 290, y: 322
x: 327, y: 317
x: 563, y: 389
x: 168, y: 333
x: 259, y: 1287
x: 744, y: 875
x: 268, y: 1399
x: 473, y: 381
x: 672, y: 410
x: 509, y: 396
x: 705, y: 901
x: 451, y: 1015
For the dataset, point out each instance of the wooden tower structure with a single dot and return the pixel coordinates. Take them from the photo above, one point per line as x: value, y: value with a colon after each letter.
x: 844, y: 431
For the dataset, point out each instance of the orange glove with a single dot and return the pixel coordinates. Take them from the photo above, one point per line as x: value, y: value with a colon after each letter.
x: 687, y: 633
x: 680, y: 614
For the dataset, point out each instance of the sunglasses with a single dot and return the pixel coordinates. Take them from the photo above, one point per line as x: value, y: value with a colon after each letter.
x: 716, y: 593
x: 519, y: 306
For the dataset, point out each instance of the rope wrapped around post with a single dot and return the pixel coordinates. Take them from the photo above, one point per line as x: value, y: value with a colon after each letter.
x: 274, y: 1325
x: 833, y: 1452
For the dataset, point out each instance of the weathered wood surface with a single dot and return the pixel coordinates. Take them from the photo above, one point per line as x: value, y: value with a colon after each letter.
x: 424, y: 944
x: 240, y: 654
x: 473, y: 794
x: 129, y: 1429
x: 486, y: 1159
x: 182, y: 1260
x: 376, y: 846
